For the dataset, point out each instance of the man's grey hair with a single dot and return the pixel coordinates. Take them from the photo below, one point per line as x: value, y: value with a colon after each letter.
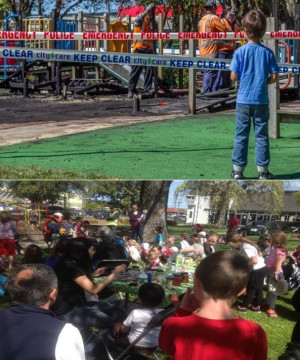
x: 31, y: 284
x: 105, y: 233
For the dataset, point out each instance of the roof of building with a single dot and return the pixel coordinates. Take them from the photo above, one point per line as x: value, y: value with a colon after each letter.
x: 289, y: 204
x: 177, y: 211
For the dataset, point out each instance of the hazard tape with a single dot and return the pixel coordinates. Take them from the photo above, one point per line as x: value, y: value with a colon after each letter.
x: 172, y: 61
x: 63, y: 36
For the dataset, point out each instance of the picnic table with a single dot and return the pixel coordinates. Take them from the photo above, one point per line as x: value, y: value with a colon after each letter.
x: 128, y: 284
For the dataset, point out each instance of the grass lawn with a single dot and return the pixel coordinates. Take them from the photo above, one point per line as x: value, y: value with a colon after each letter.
x: 278, y: 330
x: 194, y: 147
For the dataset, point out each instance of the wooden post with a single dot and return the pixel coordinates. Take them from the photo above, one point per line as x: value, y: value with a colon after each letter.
x: 58, y: 78
x: 181, y: 50
x: 155, y: 73
x: 25, y: 80
x: 79, y: 72
x: 192, y: 79
x: 160, y: 44
x: 80, y: 29
x: 136, y: 103
x: 52, y: 42
x: 274, y: 125
x: 106, y: 25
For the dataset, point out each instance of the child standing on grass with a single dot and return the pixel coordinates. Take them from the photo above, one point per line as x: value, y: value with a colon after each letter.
x: 255, y: 66
x: 204, y: 326
x: 274, y: 268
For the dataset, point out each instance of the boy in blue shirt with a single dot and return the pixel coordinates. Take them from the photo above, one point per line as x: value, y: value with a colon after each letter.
x: 255, y: 66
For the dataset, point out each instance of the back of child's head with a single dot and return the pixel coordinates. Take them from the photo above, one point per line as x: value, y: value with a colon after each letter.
x: 223, y: 274
x: 184, y: 236
x: 33, y: 255
x: 159, y: 229
x: 255, y: 24
x: 232, y: 237
x: 151, y: 294
x: 279, y: 239
x: 132, y: 242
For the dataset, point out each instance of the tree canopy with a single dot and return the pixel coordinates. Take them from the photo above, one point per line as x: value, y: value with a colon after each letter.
x: 225, y: 195
x: 39, y: 192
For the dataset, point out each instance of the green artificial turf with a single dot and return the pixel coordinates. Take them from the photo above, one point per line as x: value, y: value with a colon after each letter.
x: 195, y: 147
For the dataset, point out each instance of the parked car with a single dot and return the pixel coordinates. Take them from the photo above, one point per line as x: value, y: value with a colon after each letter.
x: 259, y: 227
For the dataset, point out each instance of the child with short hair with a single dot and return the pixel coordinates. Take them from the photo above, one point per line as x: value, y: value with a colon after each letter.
x: 151, y: 295
x: 159, y: 237
x: 274, y: 263
x: 255, y: 66
x: 204, y: 325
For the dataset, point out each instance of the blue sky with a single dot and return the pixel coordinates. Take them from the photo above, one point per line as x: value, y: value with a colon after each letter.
x: 292, y: 185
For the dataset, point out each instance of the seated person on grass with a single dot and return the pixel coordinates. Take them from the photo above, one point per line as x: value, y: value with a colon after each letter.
x: 150, y: 295
x: 29, y: 330
x: 204, y: 325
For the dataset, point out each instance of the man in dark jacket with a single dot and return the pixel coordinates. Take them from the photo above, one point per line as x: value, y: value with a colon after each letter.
x: 29, y: 330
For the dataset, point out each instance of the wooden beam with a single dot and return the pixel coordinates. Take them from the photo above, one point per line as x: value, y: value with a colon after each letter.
x: 274, y: 125
x: 192, y: 79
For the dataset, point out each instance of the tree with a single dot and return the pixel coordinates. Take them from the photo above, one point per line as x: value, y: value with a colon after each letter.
x: 154, y: 198
x: 121, y: 193
x: 39, y: 192
x: 192, y: 10
x: 26, y: 8
x: 225, y: 195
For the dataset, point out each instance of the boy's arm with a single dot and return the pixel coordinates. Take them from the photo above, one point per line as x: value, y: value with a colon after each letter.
x: 272, y: 79
x: 119, y: 327
x: 233, y: 76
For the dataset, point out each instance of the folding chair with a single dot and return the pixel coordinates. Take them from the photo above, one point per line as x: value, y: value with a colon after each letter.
x: 157, y: 320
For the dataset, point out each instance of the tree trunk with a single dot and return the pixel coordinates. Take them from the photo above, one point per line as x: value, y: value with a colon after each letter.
x: 154, y: 198
x: 221, y: 215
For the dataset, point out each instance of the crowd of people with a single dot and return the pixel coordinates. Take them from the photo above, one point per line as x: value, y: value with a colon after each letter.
x: 69, y: 302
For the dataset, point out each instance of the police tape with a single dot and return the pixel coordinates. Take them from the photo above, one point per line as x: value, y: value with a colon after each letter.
x: 48, y: 35
x: 93, y: 57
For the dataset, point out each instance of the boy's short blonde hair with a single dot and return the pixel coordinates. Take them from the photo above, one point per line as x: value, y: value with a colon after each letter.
x: 255, y: 24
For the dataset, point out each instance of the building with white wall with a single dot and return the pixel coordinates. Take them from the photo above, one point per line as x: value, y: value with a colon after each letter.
x: 200, y: 212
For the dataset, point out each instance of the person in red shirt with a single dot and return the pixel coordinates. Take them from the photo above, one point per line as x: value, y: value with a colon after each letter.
x: 204, y: 325
x: 233, y: 223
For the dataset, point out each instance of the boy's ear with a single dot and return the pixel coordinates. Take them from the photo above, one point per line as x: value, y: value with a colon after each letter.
x: 242, y: 292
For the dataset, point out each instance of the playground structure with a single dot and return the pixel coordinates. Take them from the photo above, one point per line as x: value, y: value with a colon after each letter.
x: 28, y: 76
x: 60, y: 77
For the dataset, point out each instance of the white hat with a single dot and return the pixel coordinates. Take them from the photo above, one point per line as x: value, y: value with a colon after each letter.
x: 145, y: 246
x: 281, y: 287
x: 174, y: 248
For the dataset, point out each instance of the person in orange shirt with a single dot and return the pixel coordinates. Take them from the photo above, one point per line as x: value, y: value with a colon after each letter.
x: 143, y: 23
x: 209, y: 48
x: 226, y: 51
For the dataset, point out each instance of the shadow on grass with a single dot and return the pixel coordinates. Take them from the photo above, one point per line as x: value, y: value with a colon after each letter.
x: 287, y: 313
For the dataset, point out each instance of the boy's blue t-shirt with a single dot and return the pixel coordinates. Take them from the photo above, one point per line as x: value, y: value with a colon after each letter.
x: 253, y: 63
x: 158, y: 239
